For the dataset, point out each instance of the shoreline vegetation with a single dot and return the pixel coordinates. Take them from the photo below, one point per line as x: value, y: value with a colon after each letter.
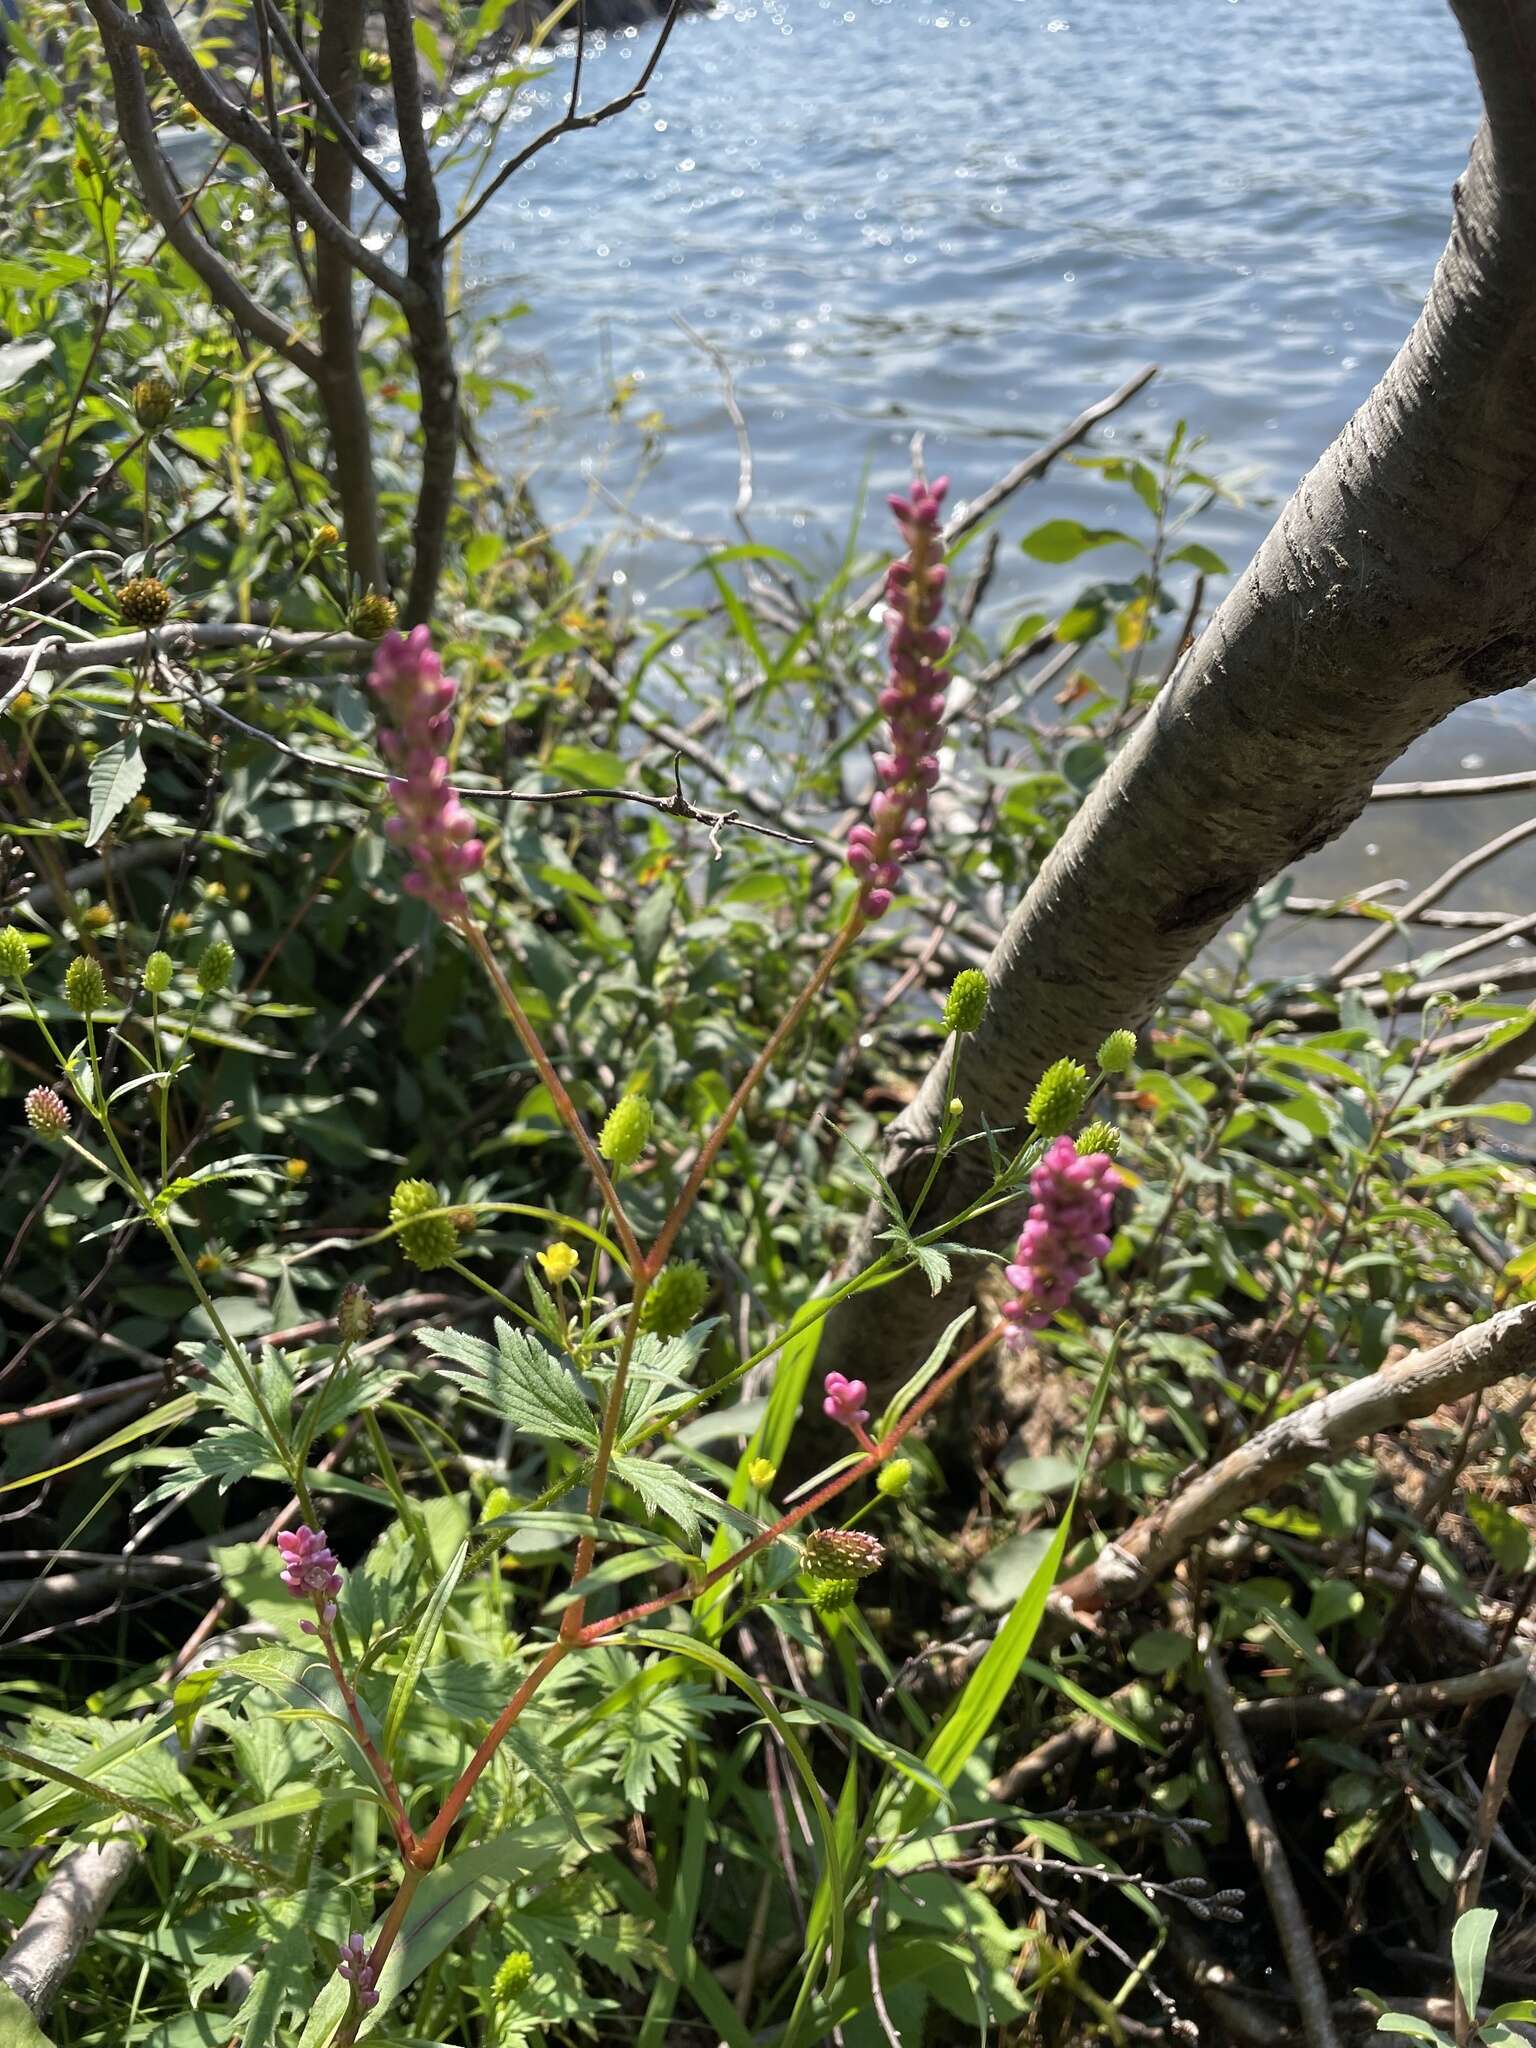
x: 699, y: 1337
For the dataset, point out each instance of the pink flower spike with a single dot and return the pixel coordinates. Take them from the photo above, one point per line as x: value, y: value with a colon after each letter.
x: 844, y: 1401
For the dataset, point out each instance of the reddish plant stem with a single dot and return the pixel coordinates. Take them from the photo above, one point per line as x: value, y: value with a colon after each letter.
x: 369, y: 1747
x: 517, y: 1017
x: 709, y: 1151
x: 429, y: 1847
x: 378, y: 1955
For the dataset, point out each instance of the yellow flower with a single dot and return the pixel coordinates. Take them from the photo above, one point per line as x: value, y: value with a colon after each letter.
x: 559, y: 1262
x: 762, y: 1474
x: 296, y: 1168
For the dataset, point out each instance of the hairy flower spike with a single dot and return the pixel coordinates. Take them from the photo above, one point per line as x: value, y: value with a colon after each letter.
x: 966, y: 1004
x: 429, y: 823
x: 674, y: 1299
x: 374, y: 615
x: 559, y: 1261
x: 912, y: 700
x: 1059, y: 1097
x: 1117, y: 1052
x: 159, y: 969
x: 352, y: 1966
x: 1098, y: 1137
x: 85, y: 986
x: 215, y: 967
x: 154, y: 400
x: 842, y: 1554
x: 431, y: 1242
x: 310, y: 1572
x: 143, y: 601
x: 15, y: 955
x: 844, y: 1401
x: 1066, y: 1235
x: 625, y: 1130
x: 47, y: 1113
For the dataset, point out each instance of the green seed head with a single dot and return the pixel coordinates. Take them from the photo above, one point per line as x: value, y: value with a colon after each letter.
x: 966, y: 1003
x: 143, y: 601
x: 624, y: 1134
x: 159, y: 969
x: 85, y: 987
x: 842, y: 1554
x: 831, y: 1596
x: 894, y: 1479
x: 15, y: 955
x: 1098, y: 1137
x: 354, y: 1313
x: 674, y: 1300
x: 373, y: 615
x: 153, y: 402
x: 1058, y: 1100
x: 1117, y: 1052
x: 213, y: 970
x: 431, y: 1242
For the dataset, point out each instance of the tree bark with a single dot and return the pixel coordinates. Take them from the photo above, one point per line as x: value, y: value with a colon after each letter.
x: 341, y: 378
x: 1398, y: 583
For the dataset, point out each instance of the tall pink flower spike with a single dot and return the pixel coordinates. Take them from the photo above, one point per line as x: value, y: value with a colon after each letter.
x: 913, y: 701
x: 1066, y: 1235
x: 430, y: 825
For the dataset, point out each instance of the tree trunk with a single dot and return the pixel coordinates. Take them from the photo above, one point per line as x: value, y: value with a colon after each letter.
x: 1398, y: 583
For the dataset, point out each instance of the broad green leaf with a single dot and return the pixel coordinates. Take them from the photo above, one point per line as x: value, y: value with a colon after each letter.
x: 1407, y: 2023
x: 116, y: 777
x: 1063, y: 540
x: 1469, y: 1952
x: 518, y: 1380
x: 18, y: 2029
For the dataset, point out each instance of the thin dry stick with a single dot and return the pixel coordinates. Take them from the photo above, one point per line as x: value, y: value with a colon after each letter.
x: 1269, y: 1857
x: 1458, y: 785
x: 1440, y: 886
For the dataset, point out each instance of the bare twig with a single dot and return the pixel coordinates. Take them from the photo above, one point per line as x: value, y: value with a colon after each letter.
x: 1443, y: 883
x: 1458, y: 785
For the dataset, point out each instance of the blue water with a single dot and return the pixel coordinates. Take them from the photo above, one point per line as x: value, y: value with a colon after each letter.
x: 973, y: 219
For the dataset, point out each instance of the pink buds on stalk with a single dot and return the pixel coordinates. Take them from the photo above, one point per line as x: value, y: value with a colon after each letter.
x: 1066, y: 1235
x: 310, y: 1572
x: 353, y: 1967
x: 844, y: 1401
x: 430, y: 825
x: 913, y: 701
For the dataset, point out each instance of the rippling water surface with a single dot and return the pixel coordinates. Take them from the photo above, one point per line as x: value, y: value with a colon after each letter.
x: 973, y: 219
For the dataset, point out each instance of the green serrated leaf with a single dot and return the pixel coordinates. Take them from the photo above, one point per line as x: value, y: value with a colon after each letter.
x: 116, y: 777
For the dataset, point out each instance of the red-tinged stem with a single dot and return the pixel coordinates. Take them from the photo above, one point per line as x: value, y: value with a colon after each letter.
x: 387, y: 1936
x: 867, y: 1464
x: 709, y: 1151
x: 518, y: 1018
x: 429, y: 1847
x: 380, y: 1768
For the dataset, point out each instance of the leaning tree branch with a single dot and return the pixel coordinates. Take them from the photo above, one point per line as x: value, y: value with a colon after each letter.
x: 1466, y: 1363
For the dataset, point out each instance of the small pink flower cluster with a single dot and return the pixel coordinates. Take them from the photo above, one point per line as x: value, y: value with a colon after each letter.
x: 844, y: 1401
x: 430, y: 824
x: 913, y: 701
x: 354, y: 1968
x: 1066, y: 1235
x: 310, y: 1572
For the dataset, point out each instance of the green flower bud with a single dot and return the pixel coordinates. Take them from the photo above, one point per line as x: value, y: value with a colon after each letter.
x: 1098, y: 1137
x: 153, y: 402
x: 954, y: 1108
x: 762, y: 1472
x: 143, y: 601
x: 1117, y: 1052
x: 432, y: 1242
x: 674, y: 1299
x: 1058, y: 1099
x: 966, y: 1003
x: 894, y: 1479
x: 213, y: 970
x: 513, y: 1978
x: 498, y: 1502
x: 831, y: 1596
x: 15, y: 955
x: 842, y: 1554
x: 624, y: 1134
x: 373, y: 615
x: 85, y: 987
x: 354, y: 1313
x: 159, y: 969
